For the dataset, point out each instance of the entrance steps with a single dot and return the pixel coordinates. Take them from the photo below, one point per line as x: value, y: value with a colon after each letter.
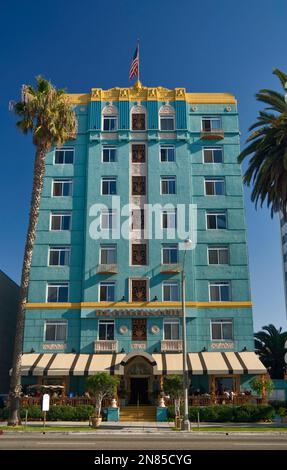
x: 138, y: 413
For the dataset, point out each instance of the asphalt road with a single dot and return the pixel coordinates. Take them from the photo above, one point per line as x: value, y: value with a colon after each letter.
x: 142, y: 441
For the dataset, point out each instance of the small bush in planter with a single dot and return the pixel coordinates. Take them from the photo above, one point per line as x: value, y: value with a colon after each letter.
x: 101, y: 385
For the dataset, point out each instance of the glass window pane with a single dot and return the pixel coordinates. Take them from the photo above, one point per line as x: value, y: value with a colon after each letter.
x: 110, y: 331
x: 219, y: 187
x: 111, y: 293
x: 50, y: 332
x: 69, y: 156
x: 66, y: 219
x: 221, y: 221
x: 211, y: 221
x: 52, y: 293
x: 214, y: 293
x: 227, y: 331
x: 213, y: 256
x: 63, y: 294
x: 103, y: 292
x: 223, y: 256
x: 61, y: 332
x: 209, y: 188
x: 175, y: 330
x: 102, y: 331
x: 217, y: 155
x: 224, y: 290
x: 208, y: 156
x: 56, y: 222
x: 216, y: 330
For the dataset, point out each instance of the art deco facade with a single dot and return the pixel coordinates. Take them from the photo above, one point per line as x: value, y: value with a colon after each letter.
x: 113, y: 303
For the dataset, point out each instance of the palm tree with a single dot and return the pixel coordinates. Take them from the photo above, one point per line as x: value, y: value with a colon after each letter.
x: 46, y: 113
x: 267, y: 167
x: 271, y: 346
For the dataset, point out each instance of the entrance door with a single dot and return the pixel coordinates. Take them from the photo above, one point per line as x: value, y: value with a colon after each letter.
x: 139, y: 391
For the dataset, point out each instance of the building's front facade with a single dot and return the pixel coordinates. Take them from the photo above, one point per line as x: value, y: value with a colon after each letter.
x: 114, y: 302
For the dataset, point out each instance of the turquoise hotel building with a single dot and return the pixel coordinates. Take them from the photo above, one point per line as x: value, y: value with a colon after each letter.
x: 100, y: 301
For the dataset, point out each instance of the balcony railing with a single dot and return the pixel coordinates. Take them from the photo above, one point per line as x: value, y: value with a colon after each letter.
x: 171, y: 345
x: 212, y: 134
x: 170, y: 268
x: 107, y: 268
x: 105, y: 345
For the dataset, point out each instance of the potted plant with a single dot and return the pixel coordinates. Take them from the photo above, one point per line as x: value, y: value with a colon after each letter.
x: 101, y: 385
x: 262, y: 386
x: 173, y: 386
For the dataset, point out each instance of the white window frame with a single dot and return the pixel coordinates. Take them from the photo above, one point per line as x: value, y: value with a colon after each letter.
x: 212, y: 149
x: 170, y: 283
x: 216, y: 214
x: 214, y: 181
x: 166, y: 117
x: 62, y: 181
x: 171, y: 321
x: 112, y: 247
x: 218, y: 248
x: 211, y: 118
x: 57, y: 284
x: 63, y: 149
x: 168, y: 179
x: 56, y: 323
x: 107, y: 283
x: 107, y: 322
x: 62, y: 214
x: 219, y: 284
x: 171, y: 211
x: 167, y: 147
x: 221, y: 321
x: 109, y: 148
x: 166, y: 246
x: 110, y: 117
x: 108, y: 179
x: 113, y: 214
x: 66, y: 249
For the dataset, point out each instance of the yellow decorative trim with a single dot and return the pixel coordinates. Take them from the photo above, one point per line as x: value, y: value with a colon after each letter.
x: 142, y: 93
x: 166, y: 305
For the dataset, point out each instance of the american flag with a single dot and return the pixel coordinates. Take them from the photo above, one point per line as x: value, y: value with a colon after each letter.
x: 134, y: 70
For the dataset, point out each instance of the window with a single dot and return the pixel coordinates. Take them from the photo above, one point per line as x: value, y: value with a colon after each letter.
x: 138, y: 219
x: 59, y: 256
x: 167, y: 123
x: 64, y: 156
x: 169, y: 219
x: 138, y: 153
x: 214, y: 186
x: 222, y: 329
x: 60, y: 221
x: 170, y: 254
x: 212, y: 155
x: 109, y: 154
x: 171, y: 329
x: 138, y: 122
x: 62, y: 187
x: 106, y: 330
x: 139, y: 254
x: 138, y: 185
x: 110, y: 123
x: 108, y: 219
x: 109, y: 185
x: 219, y: 291
x: 168, y: 185
x: 55, y: 331
x: 58, y: 292
x: 216, y: 220
x: 218, y: 255
x: 107, y: 291
x: 167, y: 153
x: 108, y: 254
x: 139, y: 290
x: 210, y: 123
x: 170, y: 291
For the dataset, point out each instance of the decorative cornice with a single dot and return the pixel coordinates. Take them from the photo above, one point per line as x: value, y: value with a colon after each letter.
x: 142, y: 93
x: 166, y: 305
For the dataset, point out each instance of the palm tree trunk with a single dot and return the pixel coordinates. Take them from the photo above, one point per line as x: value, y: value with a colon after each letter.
x: 15, y: 382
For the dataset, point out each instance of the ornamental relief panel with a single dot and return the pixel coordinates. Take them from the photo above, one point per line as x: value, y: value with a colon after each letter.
x: 139, y: 254
x: 139, y: 329
x: 139, y: 290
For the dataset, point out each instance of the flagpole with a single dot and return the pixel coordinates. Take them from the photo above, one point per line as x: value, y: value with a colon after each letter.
x: 138, y: 60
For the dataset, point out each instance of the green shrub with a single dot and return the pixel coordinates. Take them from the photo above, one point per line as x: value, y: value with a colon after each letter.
x: 56, y: 413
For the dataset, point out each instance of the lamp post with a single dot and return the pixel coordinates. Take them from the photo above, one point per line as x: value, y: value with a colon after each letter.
x: 185, y: 423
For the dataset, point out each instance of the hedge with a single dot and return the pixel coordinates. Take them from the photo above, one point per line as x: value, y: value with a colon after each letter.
x: 56, y: 413
x: 228, y: 413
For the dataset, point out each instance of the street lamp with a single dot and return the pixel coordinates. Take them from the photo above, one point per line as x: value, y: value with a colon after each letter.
x: 185, y: 423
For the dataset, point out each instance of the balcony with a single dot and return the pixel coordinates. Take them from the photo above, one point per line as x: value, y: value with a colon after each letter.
x: 170, y: 268
x: 107, y: 269
x: 212, y: 134
x: 168, y: 345
x: 105, y: 346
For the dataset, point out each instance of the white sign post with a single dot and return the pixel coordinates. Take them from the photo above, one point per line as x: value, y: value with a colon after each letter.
x: 45, y: 406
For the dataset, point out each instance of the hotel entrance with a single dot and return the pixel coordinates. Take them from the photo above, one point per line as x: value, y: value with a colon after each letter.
x: 139, y: 380
x: 139, y: 391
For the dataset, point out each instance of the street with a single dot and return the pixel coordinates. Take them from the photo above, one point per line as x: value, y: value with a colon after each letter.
x: 142, y: 441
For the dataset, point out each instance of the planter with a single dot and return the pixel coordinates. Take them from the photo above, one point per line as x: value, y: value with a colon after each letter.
x: 177, y: 422
x: 96, y: 421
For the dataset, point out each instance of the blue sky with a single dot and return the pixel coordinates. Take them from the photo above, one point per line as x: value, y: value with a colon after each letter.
x: 207, y: 46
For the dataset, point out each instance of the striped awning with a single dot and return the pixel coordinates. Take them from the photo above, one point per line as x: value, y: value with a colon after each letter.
x: 200, y: 363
